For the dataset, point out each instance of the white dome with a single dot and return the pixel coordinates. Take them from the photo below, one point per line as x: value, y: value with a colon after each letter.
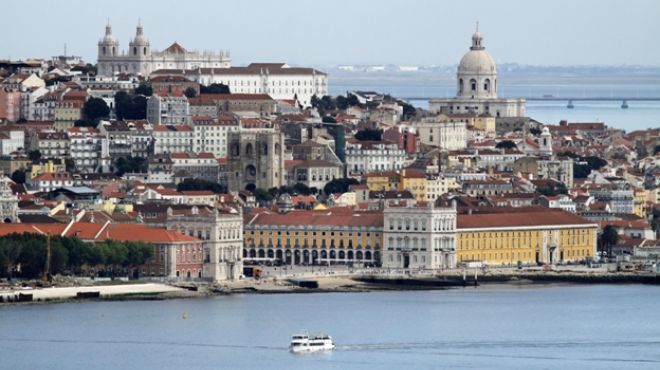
x: 477, y: 62
x: 477, y: 72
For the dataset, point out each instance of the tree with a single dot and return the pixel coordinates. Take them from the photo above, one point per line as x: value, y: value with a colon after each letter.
x: 369, y: 135
x: 95, y: 108
x: 190, y: 92
x: 552, y: 189
x: 214, y: 89
x: 608, y: 239
x: 130, y: 164
x: 262, y: 195
x: 201, y: 184
x: 18, y: 177
x: 506, y: 144
x: 339, y: 185
x: 409, y: 111
x: 328, y: 119
x: 84, y: 123
x: 302, y: 189
x: 130, y: 106
x: 353, y: 100
x: 34, y: 155
x: 144, y: 89
x: 342, y: 102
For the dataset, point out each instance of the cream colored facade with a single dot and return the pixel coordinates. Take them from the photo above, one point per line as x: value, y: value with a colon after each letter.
x: 442, y: 133
x: 419, y: 237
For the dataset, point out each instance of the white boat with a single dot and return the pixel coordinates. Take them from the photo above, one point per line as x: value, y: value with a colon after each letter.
x: 305, y: 342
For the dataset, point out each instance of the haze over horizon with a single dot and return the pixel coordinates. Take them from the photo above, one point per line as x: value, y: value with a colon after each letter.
x: 559, y: 33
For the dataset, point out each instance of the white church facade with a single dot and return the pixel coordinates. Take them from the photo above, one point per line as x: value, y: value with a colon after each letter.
x: 476, y: 91
x: 140, y: 59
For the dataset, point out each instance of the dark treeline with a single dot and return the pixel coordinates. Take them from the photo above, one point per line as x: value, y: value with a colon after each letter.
x: 24, y: 256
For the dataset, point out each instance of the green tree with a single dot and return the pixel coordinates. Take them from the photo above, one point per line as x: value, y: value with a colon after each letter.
x: 190, y: 92
x: 552, y: 189
x: 130, y: 106
x: 201, y: 184
x: 409, y: 111
x: 144, y: 89
x: 339, y: 185
x: 262, y: 195
x: 18, y: 177
x: 369, y: 135
x: 342, y: 102
x: 34, y: 155
x: 506, y: 144
x: 214, y: 89
x: 95, y: 108
x: 131, y: 165
x: 608, y: 238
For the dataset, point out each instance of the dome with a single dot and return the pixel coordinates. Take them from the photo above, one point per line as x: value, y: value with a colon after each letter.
x: 477, y: 60
x: 108, y: 39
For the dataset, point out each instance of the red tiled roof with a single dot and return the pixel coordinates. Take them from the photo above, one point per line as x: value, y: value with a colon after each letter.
x: 545, y: 217
x: 335, y: 217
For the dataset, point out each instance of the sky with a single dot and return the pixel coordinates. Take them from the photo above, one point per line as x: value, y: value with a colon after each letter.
x: 345, y: 32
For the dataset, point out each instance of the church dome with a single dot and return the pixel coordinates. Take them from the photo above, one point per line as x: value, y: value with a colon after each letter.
x: 477, y: 72
x: 477, y: 60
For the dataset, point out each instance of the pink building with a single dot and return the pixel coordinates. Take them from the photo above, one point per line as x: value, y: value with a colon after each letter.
x: 405, y: 137
x: 10, y: 105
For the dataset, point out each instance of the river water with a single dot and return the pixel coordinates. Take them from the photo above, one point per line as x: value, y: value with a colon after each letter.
x: 552, y: 327
x: 640, y: 114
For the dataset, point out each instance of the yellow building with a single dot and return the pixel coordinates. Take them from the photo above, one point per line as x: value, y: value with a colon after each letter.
x: 47, y: 167
x: 640, y: 202
x: 308, y: 237
x: 411, y: 180
x: 527, y: 235
x: 480, y: 122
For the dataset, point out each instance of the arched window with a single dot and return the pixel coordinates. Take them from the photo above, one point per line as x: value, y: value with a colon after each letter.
x: 134, y: 50
x: 114, y: 51
x: 487, y: 85
x: 104, y: 50
x: 460, y: 86
x: 264, y: 149
x: 248, y: 150
x: 144, y: 51
x: 473, y: 85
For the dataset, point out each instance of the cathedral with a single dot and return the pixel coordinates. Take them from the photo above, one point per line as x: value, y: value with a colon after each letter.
x: 139, y: 59
x: 476, y: 91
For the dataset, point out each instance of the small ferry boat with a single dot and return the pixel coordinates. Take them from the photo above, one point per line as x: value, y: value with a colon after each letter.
x: 305, y: 342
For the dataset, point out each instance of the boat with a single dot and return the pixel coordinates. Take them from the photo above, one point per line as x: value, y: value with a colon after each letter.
x: 305, y: 342
x: 624, y: 105
x: 570, y: 105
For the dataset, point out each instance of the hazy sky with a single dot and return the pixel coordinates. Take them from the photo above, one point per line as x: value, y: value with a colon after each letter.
x: 410, y: 32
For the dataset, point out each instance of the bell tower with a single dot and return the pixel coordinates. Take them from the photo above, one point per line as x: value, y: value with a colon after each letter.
x: 139, y: 51
x: 108, y: 50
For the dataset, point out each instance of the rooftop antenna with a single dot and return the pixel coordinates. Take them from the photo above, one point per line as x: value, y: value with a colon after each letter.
x: 477, y: 26
x: 65, y: 50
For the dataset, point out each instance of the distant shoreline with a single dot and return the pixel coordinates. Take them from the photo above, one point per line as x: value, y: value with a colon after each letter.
x: 334, y: 284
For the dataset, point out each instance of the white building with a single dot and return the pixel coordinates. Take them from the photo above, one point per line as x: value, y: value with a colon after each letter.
x: 12, y: 138
x: 222, y: 232
x: 372, y: 156
x: 167, y: 110
x: 443, y: 134
x: 89, y: 149
x: 172, y: 139
x: 278, y: 80
x: 419, y: 236
x: 477, y: 87
x: 436, y: 186
x: 141, y: 60
x: 210, y: 135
